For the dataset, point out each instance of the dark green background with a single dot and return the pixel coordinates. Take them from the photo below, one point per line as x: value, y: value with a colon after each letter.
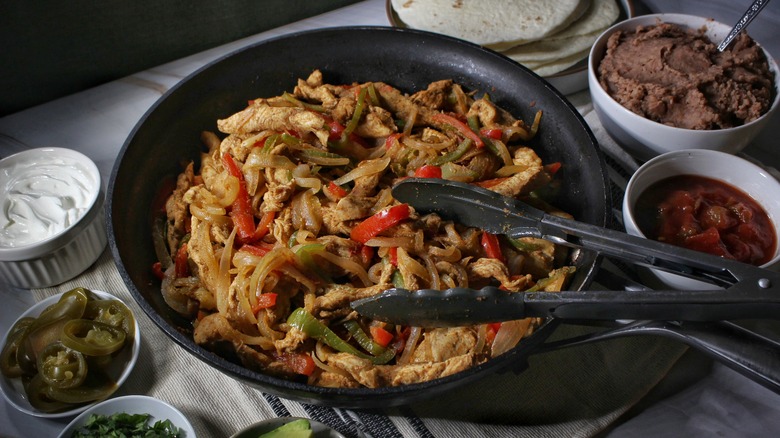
x: 52, y: 48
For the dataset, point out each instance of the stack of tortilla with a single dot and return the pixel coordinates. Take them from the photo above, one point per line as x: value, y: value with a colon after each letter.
x: 545, y: 36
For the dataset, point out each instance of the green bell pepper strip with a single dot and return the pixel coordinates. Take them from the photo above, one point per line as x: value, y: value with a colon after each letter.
x: 362, y: 338
x: 269, y: 143
x: 290, y: 140
x: 522, y: 246
x: 459, y: 173
x: 455, y: 155
x: 305, y: 255
x: 372, y: 94
x: 398, y: 279
x: 293, y: 240
x: 324, y: 158
x: 299, y: 103
x: 473, y: 122
x: 307, y: 323
x: 353, y: 122
x: 542, y: 283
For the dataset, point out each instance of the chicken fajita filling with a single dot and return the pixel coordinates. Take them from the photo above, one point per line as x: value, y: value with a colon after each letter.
x: 289, y: 217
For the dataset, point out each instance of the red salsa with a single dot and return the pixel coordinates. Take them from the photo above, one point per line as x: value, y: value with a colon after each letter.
x: 707, y: 215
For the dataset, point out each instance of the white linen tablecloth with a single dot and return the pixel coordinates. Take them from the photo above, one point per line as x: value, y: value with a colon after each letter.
x: 606, y: 389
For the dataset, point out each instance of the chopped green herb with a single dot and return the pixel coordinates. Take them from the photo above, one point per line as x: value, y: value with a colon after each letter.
x: 122, y: 425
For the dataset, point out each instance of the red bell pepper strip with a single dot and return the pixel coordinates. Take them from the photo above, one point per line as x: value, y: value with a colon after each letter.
x: 336, y: 190
x: 260, y: 143
x: 336, y: 129
x: 393, y: 255
x: 380, y: 335
x: 161, y: 197
x: 241, y: 210
x: 488, y: 183
x: 553, y: 168
x: 491, y: 246
x: 391, y: 139
x: 181, y: 266
x: 373, y: 225
x: 264, y: 301
x: 494, y: 326
x: 264, y: 227
x: 259, y: 249
x: 460, y: 126
x: 492, y: 329
x: 493, y: 133
x: 299, y: 363
x: 428, y: 171
x: 157, y: 270
x: 336, y: 133
x: 366, y: 254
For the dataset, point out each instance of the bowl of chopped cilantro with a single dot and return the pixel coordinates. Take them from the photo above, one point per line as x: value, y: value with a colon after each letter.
x: 130, y: 416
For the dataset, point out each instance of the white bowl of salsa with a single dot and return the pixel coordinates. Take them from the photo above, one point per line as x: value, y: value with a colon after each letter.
x: 709, y: 201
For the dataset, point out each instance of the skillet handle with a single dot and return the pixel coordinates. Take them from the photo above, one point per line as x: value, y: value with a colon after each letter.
x: 742, y: 350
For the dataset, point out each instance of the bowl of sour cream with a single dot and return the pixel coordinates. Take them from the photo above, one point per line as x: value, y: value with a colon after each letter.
x: 51, y: 216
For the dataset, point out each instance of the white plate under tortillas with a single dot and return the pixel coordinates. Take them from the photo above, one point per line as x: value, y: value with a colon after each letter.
x: 555, y: 47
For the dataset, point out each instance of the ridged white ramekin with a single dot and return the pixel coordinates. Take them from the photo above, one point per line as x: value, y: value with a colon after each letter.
x: 65, y: 255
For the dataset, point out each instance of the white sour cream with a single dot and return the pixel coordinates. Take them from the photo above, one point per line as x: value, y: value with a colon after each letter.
x: 42, y: 196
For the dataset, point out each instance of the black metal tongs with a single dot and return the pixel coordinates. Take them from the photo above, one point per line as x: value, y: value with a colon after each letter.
x: 748, y: 292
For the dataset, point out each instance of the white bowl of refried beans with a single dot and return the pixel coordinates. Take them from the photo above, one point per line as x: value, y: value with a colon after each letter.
x: 659, y: 84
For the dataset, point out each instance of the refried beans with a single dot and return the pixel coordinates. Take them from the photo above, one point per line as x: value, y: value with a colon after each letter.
x: 677, y: 77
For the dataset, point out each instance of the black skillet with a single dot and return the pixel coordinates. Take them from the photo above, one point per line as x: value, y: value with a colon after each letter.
x: 168, y: 135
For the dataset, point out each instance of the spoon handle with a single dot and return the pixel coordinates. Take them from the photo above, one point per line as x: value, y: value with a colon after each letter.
x: 743, y: 22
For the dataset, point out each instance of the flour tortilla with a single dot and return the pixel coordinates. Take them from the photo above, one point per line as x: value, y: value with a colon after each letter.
x: 551, y: 49
x: 497, y: 24
x: 564, y: 49
x: 545, y: 69
x: 601, y: 15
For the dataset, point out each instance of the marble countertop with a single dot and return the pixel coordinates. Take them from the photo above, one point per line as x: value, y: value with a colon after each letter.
x: 698, y: 398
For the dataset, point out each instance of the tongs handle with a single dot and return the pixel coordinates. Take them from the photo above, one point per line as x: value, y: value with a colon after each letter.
x: 463, y: 306
x: 749, y: 353
x: 650, y: 253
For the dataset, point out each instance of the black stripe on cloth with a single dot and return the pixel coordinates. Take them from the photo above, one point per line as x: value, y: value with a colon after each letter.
x: 417, y: 424
x: 374, y: 424
x: 280, y: 410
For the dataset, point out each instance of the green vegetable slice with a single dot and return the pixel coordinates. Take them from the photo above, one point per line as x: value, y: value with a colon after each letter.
x: 92, y: 337
x: 112, y: 312
x: 307, y: 323
x: 9, y: 364
x: 62, y: 367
